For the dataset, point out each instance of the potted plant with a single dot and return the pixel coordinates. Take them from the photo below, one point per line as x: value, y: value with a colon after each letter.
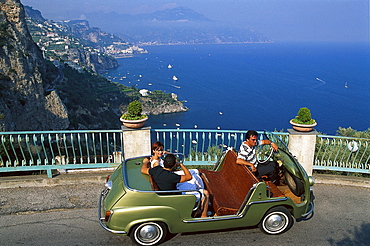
x: 303, y: 121
x: 134, y: 117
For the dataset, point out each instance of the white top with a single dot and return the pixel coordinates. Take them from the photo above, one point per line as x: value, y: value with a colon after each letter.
x: 152, y: 162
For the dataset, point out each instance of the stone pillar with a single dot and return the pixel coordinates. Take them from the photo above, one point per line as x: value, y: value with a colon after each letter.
x: 302, y: 146
x: 136, y: 142
x: 117, y: 157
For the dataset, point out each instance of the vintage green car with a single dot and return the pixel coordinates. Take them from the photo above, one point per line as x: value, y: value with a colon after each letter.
x: 129, y: 205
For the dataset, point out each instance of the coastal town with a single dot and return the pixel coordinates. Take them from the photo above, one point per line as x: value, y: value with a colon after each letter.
x: 73, y: 41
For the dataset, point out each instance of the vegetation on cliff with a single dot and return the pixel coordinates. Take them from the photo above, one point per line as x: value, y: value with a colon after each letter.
x: 93, y: 102
x: 54, y: 93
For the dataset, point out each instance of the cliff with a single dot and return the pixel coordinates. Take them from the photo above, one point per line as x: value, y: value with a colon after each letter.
x: 159, y: 102
x: 36, y: 94
x: 23, y: 104
x: 164, y: 109
x: 98, y: 63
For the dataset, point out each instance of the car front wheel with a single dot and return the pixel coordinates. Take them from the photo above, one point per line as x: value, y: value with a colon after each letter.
x: 277, y: 220
x: 149, y: 233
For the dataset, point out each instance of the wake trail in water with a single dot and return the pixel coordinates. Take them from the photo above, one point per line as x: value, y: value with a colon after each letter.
x: 321, y: 80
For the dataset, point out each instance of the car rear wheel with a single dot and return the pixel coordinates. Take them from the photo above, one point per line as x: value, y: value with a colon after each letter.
x: 276, y: 221
x: 295, y: 184
x: 149, y: 233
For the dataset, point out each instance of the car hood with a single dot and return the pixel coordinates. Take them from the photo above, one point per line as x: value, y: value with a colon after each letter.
x: 285, y: 157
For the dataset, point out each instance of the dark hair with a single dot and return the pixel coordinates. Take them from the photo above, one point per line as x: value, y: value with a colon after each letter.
x: 169, y: 161
x: 251, y: 133
x: 156, y: 145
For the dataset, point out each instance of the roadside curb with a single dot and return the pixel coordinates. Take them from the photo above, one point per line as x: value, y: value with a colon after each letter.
x: 341, y: 180
x: 99, y: 177
x: 90, y: 177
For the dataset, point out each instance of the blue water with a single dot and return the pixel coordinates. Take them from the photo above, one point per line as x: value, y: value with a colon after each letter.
x: 256, y: 86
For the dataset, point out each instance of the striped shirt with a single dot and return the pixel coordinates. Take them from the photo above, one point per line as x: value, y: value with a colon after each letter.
x: 248, y: 153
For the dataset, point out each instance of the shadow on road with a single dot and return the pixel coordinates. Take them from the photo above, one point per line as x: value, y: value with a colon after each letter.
x: 358, y: 236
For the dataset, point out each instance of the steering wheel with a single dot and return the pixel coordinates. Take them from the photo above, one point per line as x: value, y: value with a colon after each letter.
x: 264, y: 153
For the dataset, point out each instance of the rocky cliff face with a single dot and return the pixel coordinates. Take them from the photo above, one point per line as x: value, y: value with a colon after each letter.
x: 164, y: 109
x: 96, y: 38
x: 23, y: 104
x: 98, y: 63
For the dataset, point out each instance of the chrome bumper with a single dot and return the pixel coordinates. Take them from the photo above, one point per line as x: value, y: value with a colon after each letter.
x: 311, y: 206
x: 101, y: 215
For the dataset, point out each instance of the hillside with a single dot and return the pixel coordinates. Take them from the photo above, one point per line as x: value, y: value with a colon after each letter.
x: 23, y: 75
x: 76, y: 43
x: 56, y: 93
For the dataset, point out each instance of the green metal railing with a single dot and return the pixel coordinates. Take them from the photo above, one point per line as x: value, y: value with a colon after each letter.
x: 203, y: 147
x: 50, y: 150
x: 344, y: 154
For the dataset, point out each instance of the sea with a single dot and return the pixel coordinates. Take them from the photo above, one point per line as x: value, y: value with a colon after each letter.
x: 257, y: 86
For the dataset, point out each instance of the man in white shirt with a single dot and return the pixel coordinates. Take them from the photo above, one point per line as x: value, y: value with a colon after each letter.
x: 247, y: 155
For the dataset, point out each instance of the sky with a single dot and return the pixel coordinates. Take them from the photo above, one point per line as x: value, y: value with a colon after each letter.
x: 280, y: 20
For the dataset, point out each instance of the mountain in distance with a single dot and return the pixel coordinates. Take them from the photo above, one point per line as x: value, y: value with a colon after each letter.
x: 176, y: 14
x: 173, y: 26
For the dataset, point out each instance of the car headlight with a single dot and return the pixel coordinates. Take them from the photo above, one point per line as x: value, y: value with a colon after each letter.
x: 311, y: 180
x: 108, y: 185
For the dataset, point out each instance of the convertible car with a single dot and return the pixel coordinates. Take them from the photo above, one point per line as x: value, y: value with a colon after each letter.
x: 131, y: 205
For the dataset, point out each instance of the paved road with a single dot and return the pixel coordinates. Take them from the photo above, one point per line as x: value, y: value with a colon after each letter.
x: 342, y: 217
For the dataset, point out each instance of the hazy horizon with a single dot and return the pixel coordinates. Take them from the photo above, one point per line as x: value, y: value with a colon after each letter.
x: 283, y: 20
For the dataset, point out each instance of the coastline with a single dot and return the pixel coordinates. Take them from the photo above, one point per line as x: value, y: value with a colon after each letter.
x: 217, y: 78
x: 222, y: 43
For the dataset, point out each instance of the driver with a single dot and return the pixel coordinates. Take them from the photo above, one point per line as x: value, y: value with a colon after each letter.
x: 247, y: 157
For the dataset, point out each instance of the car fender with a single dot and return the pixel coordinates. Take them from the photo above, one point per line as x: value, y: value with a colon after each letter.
x: 126, y: 218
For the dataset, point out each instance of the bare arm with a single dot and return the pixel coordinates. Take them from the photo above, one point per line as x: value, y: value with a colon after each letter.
x: 146, y: 161
x: 273, y: 145
x: 145, y: 167
x: 187, y: 175
x: 246, y: 163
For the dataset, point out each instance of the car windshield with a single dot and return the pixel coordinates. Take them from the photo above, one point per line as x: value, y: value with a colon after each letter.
x: 274, y: 138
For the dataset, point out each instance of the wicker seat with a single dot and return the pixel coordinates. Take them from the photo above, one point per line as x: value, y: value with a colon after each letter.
x: 229, y: 186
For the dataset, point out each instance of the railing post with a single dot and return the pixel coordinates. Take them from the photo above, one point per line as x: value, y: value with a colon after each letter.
x: 302, y: 146
x: 136, y: 142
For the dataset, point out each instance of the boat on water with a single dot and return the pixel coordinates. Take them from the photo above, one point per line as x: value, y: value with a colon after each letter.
x: 175, y: 78
x: 178, y: 87
x: 346, y: 85
x: 169, y: 66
